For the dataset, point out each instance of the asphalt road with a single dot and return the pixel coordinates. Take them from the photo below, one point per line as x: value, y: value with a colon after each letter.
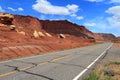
x: 63, y: 65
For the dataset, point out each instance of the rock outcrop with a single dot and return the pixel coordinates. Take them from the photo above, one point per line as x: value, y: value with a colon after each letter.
x: 61, y: 36
x: 27, y: 24
x: 6, y: 19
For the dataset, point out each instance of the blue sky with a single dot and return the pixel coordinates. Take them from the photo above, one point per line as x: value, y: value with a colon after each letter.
x: 97, y: 15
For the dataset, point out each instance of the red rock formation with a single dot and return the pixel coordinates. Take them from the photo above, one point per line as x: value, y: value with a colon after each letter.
x: 26, y: 23
x: 104, y: 36
x: 75, y: 36
x: 6, y: 18
x: 65, y: 27
x: 57, y: 27
x: 13, y: 43
x: 29, y: 24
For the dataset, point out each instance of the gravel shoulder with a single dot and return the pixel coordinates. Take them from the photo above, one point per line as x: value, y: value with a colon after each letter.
x: 110, y: 62
x: 113, y: 54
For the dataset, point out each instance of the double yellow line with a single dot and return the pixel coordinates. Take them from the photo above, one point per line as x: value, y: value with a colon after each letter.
x: 40, y: 64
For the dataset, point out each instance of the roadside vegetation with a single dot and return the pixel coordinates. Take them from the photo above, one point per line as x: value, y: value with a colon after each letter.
x: 108, y: 71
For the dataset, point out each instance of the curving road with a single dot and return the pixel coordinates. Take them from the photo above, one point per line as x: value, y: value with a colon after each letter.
x: 70, y: 64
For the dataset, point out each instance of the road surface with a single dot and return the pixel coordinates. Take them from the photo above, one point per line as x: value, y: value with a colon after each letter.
x: 63, y: 65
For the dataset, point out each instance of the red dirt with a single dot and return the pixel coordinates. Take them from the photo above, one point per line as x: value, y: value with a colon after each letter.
x: 117, y: 44
x: 40, y: 46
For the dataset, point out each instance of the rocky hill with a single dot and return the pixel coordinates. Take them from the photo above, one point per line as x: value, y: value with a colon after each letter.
x: 29, y: 24
x: 26, y: 35
x: 28, y: 27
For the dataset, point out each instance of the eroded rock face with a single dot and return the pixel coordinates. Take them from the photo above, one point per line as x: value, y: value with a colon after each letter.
x: 65, y: 27
x: 35, y: 34
x: 6, y: 19
x: 41, y: 34
x: 27, y: 24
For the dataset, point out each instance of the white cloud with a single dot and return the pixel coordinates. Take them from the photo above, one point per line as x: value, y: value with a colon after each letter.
x: 90, y: 24
x: 72, y: 8
x: 45, y: 7
x: 114, y: 20
x: 20, y: 9
x: 1, y: 9
x: 115, y: 1
x: 12, y: 9
x: 115, y: 10
x: 109, y: 24
x: 99, y: 25
x: 79, y: 17
x: 95, y: 0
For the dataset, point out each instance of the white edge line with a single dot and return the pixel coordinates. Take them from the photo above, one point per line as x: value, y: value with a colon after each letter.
x: 90, y: 65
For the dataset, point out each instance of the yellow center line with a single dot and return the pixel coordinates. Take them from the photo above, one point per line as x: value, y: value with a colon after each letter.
x: 59, y: 58
x: 43, y: 63
x: 8, y: 73
x: 23, y: 69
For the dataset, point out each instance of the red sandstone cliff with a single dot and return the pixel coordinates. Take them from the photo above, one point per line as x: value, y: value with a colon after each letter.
x: 27, y: 23
x: 30, y: 24
x: 65, y: 27
x: 58, y: 27
x: 26, y: 35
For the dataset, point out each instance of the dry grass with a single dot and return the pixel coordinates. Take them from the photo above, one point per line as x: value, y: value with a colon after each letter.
x: 108, y: 63
x: 115, y: 66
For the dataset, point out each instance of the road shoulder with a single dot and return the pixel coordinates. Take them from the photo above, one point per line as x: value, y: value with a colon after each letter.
x: 109, y: 64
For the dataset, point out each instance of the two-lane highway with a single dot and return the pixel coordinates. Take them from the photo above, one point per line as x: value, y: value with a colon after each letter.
x: 63, y: 65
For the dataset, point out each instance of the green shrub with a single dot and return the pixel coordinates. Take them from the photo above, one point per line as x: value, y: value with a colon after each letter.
x: 92, y: 76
